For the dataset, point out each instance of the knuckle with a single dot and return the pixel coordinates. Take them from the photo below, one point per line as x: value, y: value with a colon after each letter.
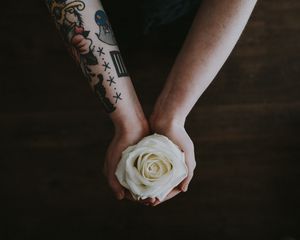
x: 193, y: 164
x: 190, y: 176
x: 191, y: 143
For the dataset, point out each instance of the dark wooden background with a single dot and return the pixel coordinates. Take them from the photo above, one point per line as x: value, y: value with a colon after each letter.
x: 245, y: 128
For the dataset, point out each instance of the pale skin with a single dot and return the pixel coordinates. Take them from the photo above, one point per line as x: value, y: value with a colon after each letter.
x: 214, y: 32
x: 129, y: 120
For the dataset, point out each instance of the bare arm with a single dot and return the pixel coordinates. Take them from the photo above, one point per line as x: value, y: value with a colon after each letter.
x: 214, y: 32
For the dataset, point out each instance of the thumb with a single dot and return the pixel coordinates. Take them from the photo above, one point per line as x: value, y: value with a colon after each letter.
x: 116, y: 187
x: 191, y: 164
x: 185, y: 183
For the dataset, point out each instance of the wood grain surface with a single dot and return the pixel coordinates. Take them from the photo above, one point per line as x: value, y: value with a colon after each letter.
x: 245, y: 127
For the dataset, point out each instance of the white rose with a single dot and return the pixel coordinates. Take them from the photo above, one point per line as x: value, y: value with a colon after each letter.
x: 152, y: 167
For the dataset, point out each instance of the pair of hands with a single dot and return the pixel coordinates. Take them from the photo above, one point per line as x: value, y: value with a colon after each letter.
x: 129, y: 136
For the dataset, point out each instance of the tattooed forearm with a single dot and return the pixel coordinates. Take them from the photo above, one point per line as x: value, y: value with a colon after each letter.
x: 88, y: 34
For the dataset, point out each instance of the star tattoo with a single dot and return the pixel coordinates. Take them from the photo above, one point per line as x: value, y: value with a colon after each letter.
x: 117, y: 97
x: 106, y: 65
x: 111, y: 80
x: 100, y: 51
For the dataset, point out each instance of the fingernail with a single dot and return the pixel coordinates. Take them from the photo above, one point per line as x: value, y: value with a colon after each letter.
x: 185, y: 188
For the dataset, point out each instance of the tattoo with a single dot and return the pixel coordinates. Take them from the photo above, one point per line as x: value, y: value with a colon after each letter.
x: 106, y: 66
x: 89, y: 72
x: 100, y: 51
x: 117, y: 97
x: 119, y: 64
x: 101, y: 94
x: 105, y: 34
x: 69, y: 21
x: 111, y: 80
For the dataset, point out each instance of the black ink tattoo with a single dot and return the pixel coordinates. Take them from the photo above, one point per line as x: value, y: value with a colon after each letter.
x: 101, y: 94
x: 105, y: 31
x: 119, y: 64
x: 89, y: 72
x: 68, y: 19
x: 106, y: 65
x: 117, y: 97
x: 100, y: 51
x: 111, y: 80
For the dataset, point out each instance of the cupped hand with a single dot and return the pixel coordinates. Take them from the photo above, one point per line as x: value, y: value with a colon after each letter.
x: 122, y: 139
x: 176, y: 132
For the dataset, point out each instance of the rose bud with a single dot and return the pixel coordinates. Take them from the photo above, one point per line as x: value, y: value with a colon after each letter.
x: 151, y: 168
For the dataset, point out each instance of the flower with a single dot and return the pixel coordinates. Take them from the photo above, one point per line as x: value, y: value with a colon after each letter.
x: 152, y: 167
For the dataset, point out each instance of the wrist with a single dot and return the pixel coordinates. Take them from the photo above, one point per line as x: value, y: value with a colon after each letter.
x: 164, y: 115
x: 131, y: 124
x: 163, y: 122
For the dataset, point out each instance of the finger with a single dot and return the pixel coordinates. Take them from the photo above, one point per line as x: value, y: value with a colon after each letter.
x: 155, y: 203
x: 148, y: 201
x: 172, y: 194
x: 129, y: 196
x: 191, y: 164
x: 117, y: 188
x: 184, y: 185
